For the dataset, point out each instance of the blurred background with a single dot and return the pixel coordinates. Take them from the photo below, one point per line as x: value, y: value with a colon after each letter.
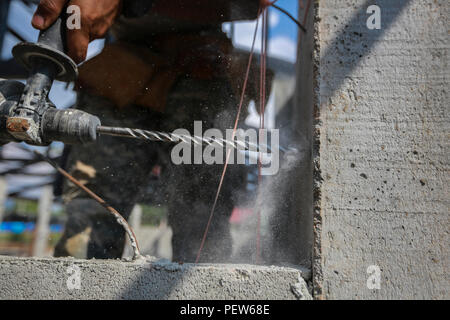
x: 31, y: 213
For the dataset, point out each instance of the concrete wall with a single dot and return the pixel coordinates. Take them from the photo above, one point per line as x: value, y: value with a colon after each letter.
x: 382, y: 149
x: 34, y: 278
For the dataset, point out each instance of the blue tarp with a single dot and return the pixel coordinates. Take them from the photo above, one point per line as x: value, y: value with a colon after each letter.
x: 18, y: 227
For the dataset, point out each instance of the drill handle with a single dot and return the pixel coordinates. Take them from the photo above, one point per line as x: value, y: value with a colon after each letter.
x: 55, y: 35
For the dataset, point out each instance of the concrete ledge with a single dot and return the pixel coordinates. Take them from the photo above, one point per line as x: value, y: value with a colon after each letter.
x: 33, y: 278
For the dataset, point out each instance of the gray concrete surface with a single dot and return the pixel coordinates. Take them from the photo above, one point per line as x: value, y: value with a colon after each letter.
x: 382, y: 161
x: 40, y: 278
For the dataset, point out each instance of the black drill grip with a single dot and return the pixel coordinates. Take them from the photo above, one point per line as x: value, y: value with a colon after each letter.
x: 70, y: 126
x: 55, y: 35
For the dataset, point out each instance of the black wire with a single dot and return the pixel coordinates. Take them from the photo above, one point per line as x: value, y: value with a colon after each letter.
x: 290, y: 16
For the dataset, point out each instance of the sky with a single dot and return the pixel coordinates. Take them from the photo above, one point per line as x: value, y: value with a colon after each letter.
x: 282, y: 44
x: 282, y: 32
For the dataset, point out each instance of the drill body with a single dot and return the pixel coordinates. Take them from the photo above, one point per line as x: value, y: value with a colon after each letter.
x: 26, y: 113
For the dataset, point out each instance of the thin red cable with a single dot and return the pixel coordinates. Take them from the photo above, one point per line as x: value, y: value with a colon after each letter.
x: 261, y: 84
x: 266, y: 34
x: 266, y: 3
x: 305, y: 16
x: 263, y: 75
x: 241, y: 102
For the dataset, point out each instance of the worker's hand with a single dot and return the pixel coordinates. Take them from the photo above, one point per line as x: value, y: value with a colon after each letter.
x: 96, y: 18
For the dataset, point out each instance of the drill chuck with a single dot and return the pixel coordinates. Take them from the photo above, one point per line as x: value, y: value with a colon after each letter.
x: 70, y: 126
x: 49, y: 124
x: 33, y: 118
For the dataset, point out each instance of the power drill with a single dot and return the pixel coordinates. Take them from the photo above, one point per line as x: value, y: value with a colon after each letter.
x: 26, y: 113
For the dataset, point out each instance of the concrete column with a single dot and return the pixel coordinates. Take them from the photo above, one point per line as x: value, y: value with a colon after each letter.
x: 382, y: 161
x: 43, y: 220
x: 292, y: 225
x: 136, y: 218
x: 135, y: 223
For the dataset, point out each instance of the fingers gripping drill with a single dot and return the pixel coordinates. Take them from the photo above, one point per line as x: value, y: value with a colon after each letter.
x: 26, y: 112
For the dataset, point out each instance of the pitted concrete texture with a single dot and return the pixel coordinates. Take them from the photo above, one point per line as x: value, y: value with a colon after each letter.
x: 383, y: 126
x: 33, y: 278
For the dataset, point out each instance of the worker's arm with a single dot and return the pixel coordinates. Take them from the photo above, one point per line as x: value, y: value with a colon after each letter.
x: 96, y: 18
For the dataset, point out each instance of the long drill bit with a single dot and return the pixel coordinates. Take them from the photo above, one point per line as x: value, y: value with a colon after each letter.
x: 176, y: 138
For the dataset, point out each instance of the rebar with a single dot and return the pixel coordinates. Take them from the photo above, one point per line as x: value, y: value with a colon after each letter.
x: 119, y: 218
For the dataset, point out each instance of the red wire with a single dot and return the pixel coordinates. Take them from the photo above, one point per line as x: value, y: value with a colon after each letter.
x: 261, y: 83
x: 263, y: 74
x: 241, y: 102
x: 305, y: 16
x: 266, y: 3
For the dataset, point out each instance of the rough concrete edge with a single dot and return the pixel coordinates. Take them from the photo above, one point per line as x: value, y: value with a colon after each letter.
x: 300, y: 289
x: 304, y: 273
x: 317, y: 275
